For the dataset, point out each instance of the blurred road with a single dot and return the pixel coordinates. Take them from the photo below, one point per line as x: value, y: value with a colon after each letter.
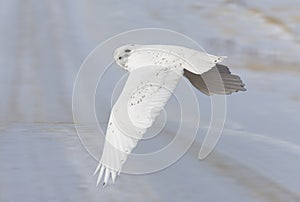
x: 39, y: 61
x: 42, y: 46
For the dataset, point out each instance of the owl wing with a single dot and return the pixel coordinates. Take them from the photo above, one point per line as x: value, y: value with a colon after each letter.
x: 146, y: 92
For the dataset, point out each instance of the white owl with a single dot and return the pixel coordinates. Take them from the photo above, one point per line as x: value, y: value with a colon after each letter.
x: 154, y: 73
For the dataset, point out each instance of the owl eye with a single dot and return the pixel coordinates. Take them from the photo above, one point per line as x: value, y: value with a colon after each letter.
x: 120, y: 58
x: 127, y: 51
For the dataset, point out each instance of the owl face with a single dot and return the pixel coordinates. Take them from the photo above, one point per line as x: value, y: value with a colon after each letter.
x: 121, y: 55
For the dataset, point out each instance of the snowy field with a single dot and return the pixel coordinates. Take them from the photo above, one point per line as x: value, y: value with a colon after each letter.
x: 43, y: 44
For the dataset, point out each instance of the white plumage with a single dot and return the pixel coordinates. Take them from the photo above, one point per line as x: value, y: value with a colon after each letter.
x: 154, y: 73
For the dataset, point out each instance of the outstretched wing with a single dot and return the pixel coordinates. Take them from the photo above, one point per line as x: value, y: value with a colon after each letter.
x: 194, y: 61
x: 218, y: 80
x: 144, y: 95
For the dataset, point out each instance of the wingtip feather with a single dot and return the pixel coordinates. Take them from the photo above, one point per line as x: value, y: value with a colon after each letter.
x: 97, y: 169
x: 106, y: 176
x: 100, y: 175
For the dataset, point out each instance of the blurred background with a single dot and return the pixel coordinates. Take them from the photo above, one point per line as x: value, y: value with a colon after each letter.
x: 42, y: 45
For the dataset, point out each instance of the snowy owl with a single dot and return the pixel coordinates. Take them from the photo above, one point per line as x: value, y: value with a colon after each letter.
x: 154, y: 71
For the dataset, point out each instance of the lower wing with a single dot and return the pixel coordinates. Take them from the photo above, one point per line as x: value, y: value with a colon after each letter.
x: 144, y: 95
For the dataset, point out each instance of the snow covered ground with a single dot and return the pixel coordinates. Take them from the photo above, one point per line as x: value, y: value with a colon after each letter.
x: 43, y: 44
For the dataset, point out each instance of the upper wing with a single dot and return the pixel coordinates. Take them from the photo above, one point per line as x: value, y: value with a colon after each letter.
x: 194, y: 61
x: 218, y: 80
x: 144, y: 95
